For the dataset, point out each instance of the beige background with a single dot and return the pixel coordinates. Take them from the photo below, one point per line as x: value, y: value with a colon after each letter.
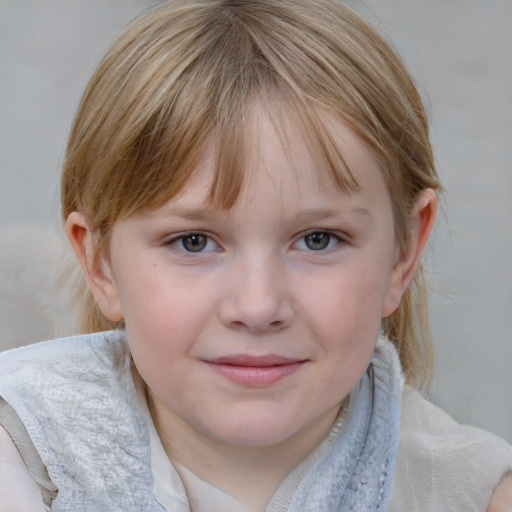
x: 460, y: 54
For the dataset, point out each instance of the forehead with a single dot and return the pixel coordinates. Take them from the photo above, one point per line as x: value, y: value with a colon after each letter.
x: 280, y: 159
x: 278, y: 146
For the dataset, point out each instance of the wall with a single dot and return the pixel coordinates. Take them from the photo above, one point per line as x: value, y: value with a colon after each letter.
x: 459, y: 52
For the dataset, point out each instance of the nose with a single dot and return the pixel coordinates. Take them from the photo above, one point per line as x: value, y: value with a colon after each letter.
x: 258, y: 297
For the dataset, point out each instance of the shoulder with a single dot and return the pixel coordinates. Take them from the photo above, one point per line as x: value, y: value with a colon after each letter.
x: 35, y: 377
x: 69, y: 357
x: 442, y: 465
x: 502, y: 497
x: 76, y: 400
x: 36, y: 374
x: 48, y: 352
x: 17, y: 488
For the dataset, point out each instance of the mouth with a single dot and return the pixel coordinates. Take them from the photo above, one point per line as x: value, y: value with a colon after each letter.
x: 255, y: 371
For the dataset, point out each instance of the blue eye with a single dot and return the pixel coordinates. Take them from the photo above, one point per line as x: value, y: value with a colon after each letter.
x: 193, y: 242
x: 318, y: 241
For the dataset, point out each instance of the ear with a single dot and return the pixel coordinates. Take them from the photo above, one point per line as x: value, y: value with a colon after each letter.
x: 422, y: 220
x: 96, y: 269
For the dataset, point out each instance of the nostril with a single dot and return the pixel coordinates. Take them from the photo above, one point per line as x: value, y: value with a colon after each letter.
x: 256, y: 313
x: 253, y: 327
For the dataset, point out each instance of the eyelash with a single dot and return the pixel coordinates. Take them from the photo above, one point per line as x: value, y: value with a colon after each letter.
x: 175, y: 241
x: 182, y: 238
x: 332, y: 237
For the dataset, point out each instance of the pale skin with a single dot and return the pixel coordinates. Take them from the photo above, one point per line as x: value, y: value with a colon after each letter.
x: 502, y: 497
x: 296, y: 269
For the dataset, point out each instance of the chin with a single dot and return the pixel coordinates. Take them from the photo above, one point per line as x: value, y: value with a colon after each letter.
x: 253, y: 431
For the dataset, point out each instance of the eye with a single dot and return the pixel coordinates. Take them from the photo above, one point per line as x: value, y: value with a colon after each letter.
x: 318, y: 241
x: 193, y: 242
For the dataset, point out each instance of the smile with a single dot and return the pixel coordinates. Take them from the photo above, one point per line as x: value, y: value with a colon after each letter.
x: 255, y: 371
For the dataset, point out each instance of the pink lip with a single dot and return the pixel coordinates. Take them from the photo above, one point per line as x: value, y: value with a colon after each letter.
x: 254, y: 370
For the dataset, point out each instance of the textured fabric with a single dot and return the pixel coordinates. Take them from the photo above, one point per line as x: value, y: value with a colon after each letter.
x: 170, y: 491
x: 355, y: 473
x: 286, y: 491
x: 13, y: 426
x: 350, y: 470
x: 77, y: 401
x: 444, y: 466
x: 441, y: 466
x: 18, y: 490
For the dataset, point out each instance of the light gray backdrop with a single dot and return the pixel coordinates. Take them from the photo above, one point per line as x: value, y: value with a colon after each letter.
x: 459, y: 52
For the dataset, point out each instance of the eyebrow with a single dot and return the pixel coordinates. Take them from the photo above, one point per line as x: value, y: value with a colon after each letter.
x: 314, y: 214
x: 199, y: 214
x: 309, y: 214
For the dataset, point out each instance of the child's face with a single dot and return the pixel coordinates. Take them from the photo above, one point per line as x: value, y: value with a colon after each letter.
x: 250, y: 325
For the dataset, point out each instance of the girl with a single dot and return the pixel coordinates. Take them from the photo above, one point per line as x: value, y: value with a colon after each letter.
x: 248, y: 188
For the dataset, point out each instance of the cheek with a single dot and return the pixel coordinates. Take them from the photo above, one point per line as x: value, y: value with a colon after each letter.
x: 164, y: 321
x: 348, y: 301
x: 344, y: 315
x: 161, y: 297
x: 167, y: 322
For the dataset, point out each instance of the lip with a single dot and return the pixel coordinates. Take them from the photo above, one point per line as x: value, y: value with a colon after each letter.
x: 255, y: 371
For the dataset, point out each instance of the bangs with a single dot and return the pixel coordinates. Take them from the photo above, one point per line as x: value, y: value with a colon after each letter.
x: 167, y: 151
x: 237, y: 144
x: 186, y: 76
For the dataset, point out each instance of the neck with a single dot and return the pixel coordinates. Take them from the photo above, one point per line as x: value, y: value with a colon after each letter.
x: 250, y: 474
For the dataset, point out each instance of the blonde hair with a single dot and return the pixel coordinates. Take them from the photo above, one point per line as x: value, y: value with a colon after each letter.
x: 184, y: 73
